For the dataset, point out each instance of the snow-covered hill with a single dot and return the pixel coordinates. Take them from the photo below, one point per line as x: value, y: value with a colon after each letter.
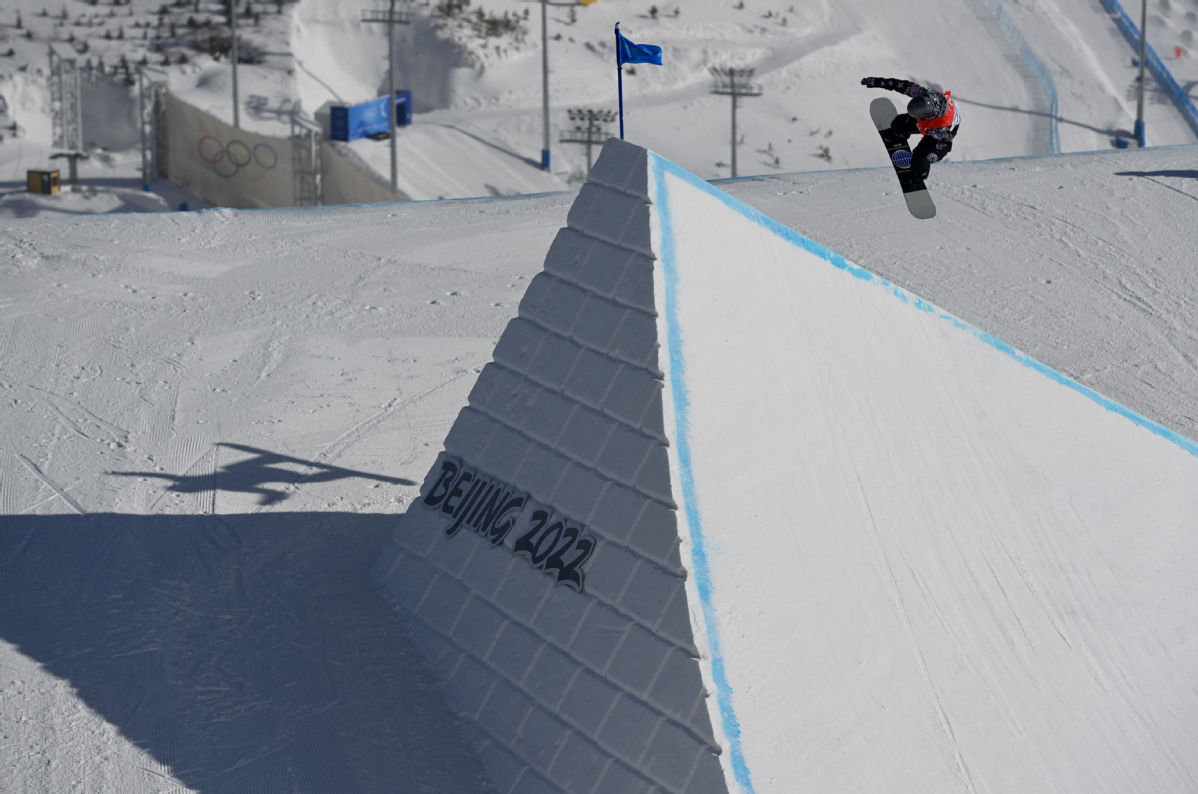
x: 479, y: 130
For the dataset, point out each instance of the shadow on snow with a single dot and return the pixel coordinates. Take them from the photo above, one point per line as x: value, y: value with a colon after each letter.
x: 253, y: 474
x: 245, y: 652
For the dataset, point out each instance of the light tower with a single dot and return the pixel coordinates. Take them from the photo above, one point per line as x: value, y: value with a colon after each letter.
x: 734, y: 82
x: 588, y: 129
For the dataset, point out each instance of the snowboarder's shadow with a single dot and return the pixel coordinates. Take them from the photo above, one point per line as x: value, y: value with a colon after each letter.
x: 256, y: 473
x: 1176, y: 173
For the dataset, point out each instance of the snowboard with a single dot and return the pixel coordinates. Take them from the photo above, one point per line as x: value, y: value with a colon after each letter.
x: 919, y: 201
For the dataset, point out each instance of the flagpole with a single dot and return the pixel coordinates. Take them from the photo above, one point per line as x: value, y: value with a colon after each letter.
x: 544, y: 86
x: 620, y: 80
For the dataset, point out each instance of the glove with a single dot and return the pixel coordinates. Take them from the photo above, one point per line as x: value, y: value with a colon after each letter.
x: 871, y: 82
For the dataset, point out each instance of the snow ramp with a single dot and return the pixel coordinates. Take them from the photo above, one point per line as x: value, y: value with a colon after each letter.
x: 727, y: 512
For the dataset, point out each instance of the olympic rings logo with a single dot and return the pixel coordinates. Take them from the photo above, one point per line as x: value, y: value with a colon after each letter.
x: 237, y: 157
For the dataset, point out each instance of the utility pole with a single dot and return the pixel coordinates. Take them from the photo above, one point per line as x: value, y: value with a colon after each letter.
x: 1140, y: 138
x: 545, y: 74
x: 391, y: 18
x: 233, y: 55
x: 590, y: 134
x: 734, y: 82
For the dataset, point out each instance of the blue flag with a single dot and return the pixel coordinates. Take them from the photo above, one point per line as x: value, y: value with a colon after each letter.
x: 627, y: 52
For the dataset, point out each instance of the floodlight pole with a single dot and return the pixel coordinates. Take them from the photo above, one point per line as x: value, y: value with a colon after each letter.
x: 392, y: 19
x: 545, y: 75
x: 391, y: 96
x: 592, y: 133
x: 233, y: 55
x: 734, y: 82
x: 1140, y: 138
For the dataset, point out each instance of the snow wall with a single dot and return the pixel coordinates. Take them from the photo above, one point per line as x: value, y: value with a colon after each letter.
x: 224, y: 165
x: 232, y: 167
x: 727, y: 512
x: 346, y: 179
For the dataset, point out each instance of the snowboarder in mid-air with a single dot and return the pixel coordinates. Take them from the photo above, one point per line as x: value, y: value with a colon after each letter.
x: 932, y: 114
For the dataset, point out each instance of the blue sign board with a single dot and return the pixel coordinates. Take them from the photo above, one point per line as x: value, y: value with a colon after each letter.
x: 348, y: 123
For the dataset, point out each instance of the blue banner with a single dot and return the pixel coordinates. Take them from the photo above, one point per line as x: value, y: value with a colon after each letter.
x: 627, y: 52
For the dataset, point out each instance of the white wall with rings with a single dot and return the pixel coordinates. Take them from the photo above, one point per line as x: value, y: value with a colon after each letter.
x: 230, y: 167
x: 225, y: 166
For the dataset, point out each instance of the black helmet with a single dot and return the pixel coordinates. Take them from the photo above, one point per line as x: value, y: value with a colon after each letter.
x: 923, y: 107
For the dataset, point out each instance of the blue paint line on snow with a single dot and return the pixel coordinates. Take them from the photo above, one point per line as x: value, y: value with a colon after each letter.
x: 1033, y: 62
x: 694, y: 519
x: 791, y: 236
x: 1131, y: 32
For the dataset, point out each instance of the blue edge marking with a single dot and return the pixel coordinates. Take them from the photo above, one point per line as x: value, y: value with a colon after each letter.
x: 1033, y: 62
x: 1131, y: 32
x: 660, y: 168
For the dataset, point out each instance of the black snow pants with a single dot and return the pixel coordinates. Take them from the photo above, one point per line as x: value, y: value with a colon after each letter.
x: 929, y: 149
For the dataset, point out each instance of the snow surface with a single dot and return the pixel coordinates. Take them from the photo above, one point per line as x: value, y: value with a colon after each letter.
x: 210, y: 419
x: 203, y: 408
x: 918, y: 524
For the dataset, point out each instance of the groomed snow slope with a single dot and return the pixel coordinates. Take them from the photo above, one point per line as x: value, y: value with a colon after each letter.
x: 208, y: 417
x: 913, y: 544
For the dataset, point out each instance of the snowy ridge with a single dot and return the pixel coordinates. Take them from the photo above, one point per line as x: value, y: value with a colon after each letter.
x: 663, y: 167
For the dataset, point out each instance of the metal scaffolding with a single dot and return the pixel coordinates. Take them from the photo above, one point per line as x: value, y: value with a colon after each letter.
x: 66, y: 97
x: 306, y: 188
x: 151, y: 86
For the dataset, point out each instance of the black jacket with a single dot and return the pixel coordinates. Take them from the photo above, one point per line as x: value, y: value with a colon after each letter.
x: 938, y: 100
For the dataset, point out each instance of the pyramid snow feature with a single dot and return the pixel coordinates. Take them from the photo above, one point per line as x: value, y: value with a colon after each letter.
x: 542, y: 561
x: 728, y: 512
